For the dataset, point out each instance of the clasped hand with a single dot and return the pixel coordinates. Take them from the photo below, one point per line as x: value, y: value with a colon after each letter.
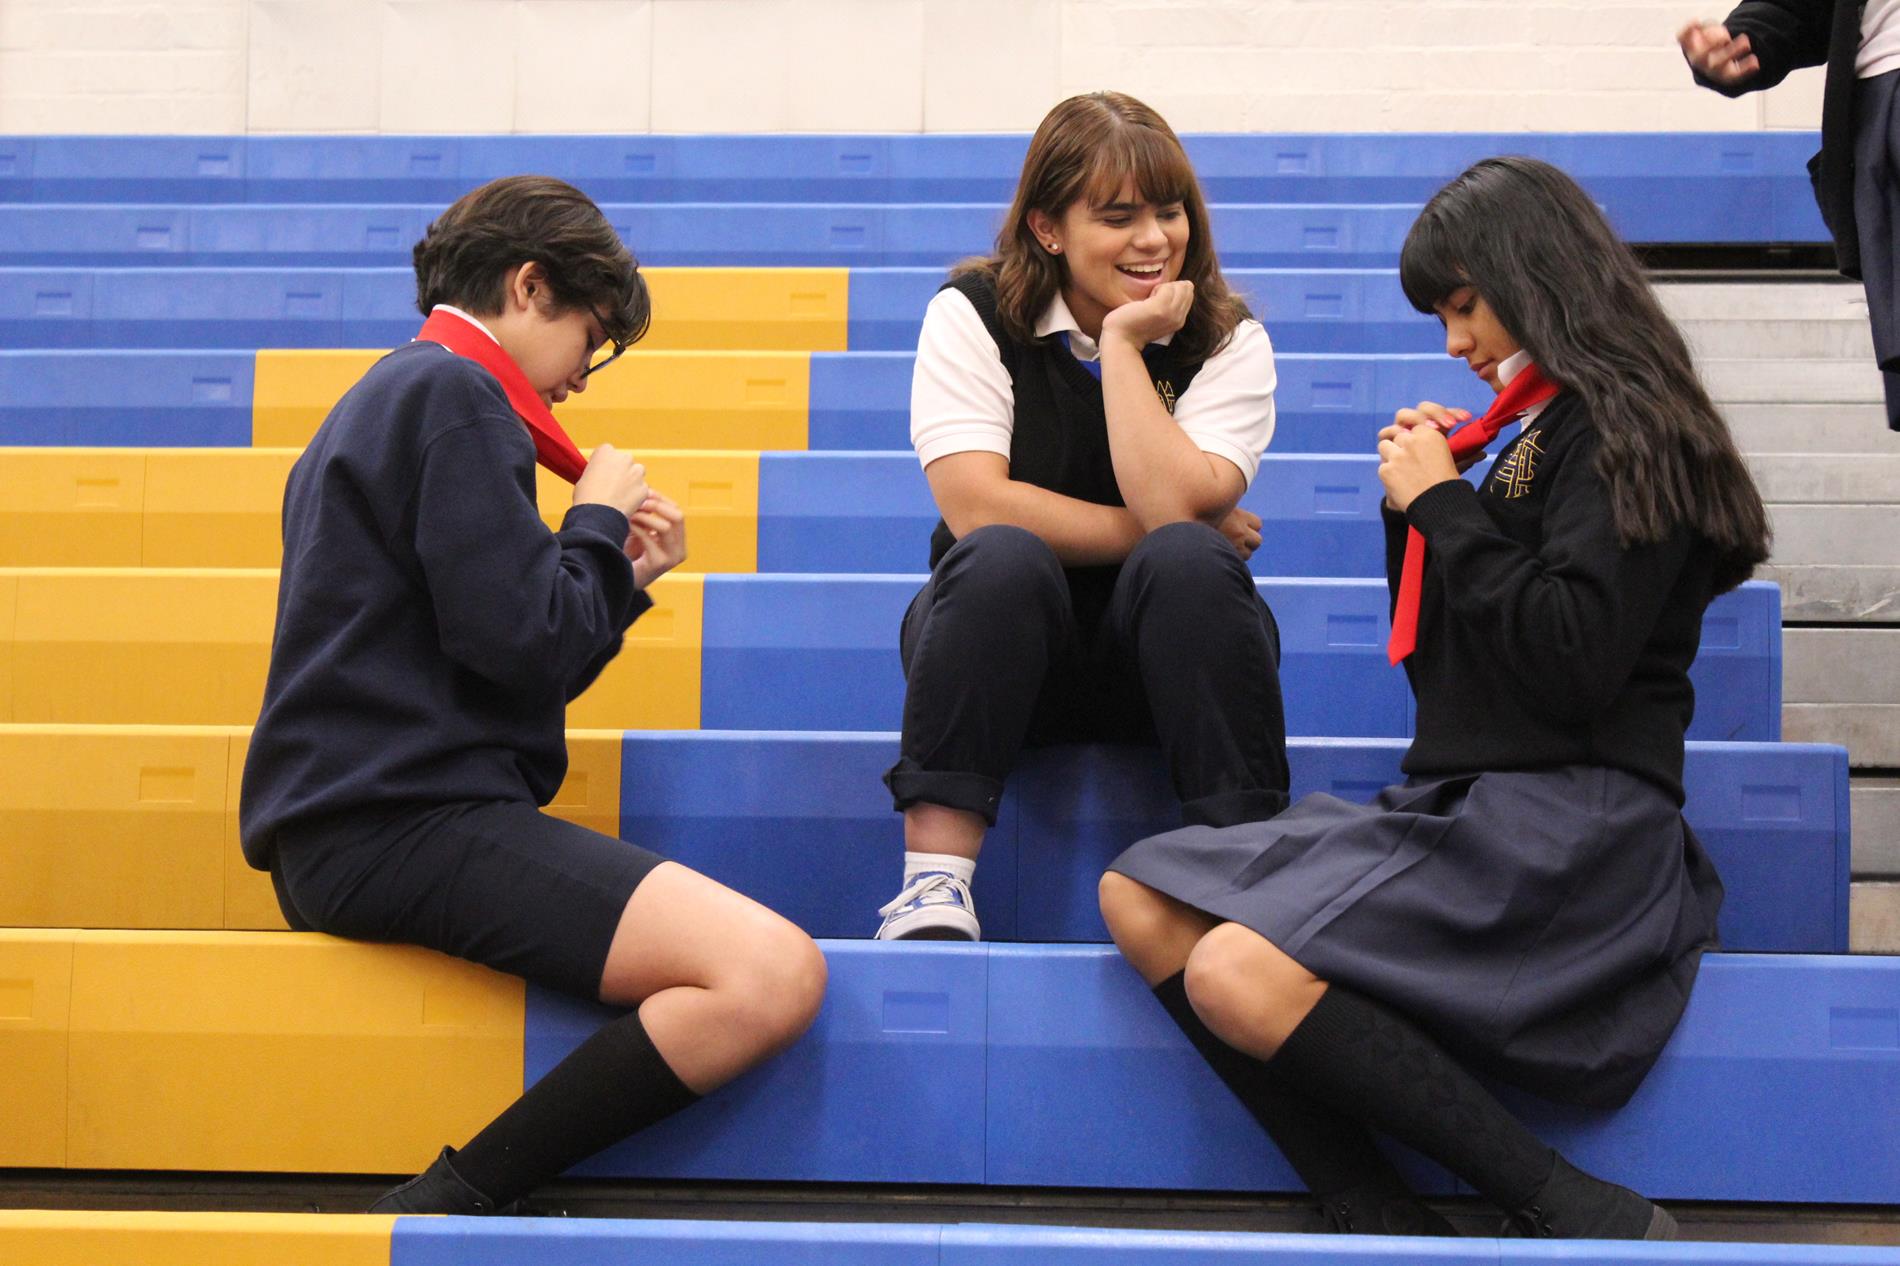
x: 1414, y: 454
x: 656, y: 537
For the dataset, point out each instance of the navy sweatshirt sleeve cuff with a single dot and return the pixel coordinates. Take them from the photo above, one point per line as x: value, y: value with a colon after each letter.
x: 1444, y: 507
x: 595, y: 517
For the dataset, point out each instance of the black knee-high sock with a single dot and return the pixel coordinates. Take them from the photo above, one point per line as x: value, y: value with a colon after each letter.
x: 1331, y: 1152
x: 612, y: 1085
x: 1367, y: 1060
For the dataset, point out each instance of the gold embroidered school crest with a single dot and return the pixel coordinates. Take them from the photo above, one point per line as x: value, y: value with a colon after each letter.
x: 1519, y: 467
x: 1165, y: 390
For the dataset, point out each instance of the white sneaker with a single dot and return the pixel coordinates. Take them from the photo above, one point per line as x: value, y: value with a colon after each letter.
x: 934, y: 906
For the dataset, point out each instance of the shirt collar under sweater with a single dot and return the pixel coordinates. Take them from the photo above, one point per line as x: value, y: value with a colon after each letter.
x: 1508, y: 368
x: 1057, y: 319
x: 475, y: 321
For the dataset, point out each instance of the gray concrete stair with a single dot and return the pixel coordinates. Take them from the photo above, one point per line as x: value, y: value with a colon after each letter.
x: 1838, y: 429
x: 1755, y: 300
x: 1820, y: 340
x: 1764, y: 380
x: 1873, y: 918
x: 1811, y: 478
x: 1791, y: 366
x: 1876, y: 817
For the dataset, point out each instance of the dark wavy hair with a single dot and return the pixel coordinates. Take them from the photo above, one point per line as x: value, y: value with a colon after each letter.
x: 1530, y: 241
x: 1090, y: 147
x: 467, y: 255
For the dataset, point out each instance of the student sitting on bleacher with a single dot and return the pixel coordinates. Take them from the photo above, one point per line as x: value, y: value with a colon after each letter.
x: 430, y: 633
x: 1088, y: 403
x: 1529, y: 904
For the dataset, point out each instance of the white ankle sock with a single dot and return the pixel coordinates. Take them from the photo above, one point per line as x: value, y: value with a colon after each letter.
x: 963, y: 868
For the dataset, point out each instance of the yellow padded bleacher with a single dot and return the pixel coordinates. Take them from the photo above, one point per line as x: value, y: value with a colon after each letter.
x: 223, y: 507
x: 65, y: 1237
x: 259, y: 1051
x: 784, y: 309
x: 137, y: 827
x: 173, y: 646
x: 649, y: 399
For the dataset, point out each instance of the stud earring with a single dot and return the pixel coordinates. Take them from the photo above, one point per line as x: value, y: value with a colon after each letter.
x: 1055, y: 248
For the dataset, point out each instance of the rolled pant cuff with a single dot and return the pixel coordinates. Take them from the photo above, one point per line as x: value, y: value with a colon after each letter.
x: 973, y: 793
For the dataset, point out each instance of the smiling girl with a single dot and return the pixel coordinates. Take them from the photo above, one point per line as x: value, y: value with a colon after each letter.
x: 430, y: 633
x: 1089, y: 404
x: 1529, y: 903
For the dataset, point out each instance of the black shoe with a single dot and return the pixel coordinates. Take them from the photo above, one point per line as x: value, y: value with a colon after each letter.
x: 1372, y: 1211
x: 1571, y: 1205
x: 437, y: 1189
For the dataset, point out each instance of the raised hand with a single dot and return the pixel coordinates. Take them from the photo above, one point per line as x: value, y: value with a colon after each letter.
x: 612, y: 478
x: 1412, y: 459
x: 1156, y: 317
x: 1715, y: 54
x: 657, y: 543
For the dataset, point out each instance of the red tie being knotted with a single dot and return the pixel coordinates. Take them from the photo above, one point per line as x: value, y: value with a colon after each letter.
x: 552, y: 447
x: 1524, y: 392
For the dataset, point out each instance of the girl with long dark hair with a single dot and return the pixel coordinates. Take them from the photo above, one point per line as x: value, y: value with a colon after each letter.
x: 1089, y: 404
x: 1529, y: 904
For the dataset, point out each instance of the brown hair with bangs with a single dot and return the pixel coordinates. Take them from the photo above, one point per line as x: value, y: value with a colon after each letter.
x: 466, y: 257
x: 1091, y: 147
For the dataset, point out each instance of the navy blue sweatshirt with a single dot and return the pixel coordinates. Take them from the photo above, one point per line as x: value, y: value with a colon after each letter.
x: 1542, y: 641
x: 430, y: 629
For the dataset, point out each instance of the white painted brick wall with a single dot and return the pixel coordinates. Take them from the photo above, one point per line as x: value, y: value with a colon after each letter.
x: 859, y: 65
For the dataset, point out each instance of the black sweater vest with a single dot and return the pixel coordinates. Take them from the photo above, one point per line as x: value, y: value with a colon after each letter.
x: 1059, y: 440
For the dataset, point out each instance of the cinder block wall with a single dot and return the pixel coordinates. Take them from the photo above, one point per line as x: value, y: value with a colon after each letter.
x: 369, y: 66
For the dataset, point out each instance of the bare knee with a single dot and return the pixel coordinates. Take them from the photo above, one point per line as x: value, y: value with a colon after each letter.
x: 1153, y: 931
x: 779, y: 986
x: 1123, y: 903
x: 1247, y: 990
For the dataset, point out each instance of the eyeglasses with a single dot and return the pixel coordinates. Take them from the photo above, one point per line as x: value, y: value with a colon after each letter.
x: 619, y: 350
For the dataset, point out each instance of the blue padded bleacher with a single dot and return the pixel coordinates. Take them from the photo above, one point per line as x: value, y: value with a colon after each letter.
x: 1305, y: 310
x: 1723, y: 187
x: 1313, y: 311
x: 1035, y: 1065
x: 1325, y: 403
x: 764, y: 812
x: 870, y: 512
x: 689, y: 234
x: 175, y: 398
x: 598, y: 1242
x: 805, y: 652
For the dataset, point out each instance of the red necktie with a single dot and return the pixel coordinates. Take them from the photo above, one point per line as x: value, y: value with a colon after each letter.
x: 552, y: 447
x: 1523, y: 393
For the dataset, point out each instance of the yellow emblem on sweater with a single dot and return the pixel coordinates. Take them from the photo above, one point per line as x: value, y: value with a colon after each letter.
x: 1519, y: 467
x: 1165, y: 390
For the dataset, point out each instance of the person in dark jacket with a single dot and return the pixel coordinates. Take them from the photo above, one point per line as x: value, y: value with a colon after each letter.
x: 430, y: 633
x: 1529, y: 903
x: 1857, y: 171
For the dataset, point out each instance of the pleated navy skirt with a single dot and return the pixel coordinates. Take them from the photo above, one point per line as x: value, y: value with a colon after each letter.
x: 1545, y: 926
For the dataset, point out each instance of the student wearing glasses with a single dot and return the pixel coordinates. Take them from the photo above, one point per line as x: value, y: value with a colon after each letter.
x: 430, y: 633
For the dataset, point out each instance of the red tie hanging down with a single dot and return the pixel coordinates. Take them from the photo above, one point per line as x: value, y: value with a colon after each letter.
x: 1522, y: 394
x: 552, y: 447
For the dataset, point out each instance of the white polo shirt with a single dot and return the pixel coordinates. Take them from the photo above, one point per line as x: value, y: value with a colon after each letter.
x: 961, y: 399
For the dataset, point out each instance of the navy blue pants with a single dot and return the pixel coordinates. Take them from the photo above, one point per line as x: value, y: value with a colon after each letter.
x: 1003, y: 647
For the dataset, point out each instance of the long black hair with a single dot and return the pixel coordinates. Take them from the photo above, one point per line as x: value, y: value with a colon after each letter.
x: 1530, y: 241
